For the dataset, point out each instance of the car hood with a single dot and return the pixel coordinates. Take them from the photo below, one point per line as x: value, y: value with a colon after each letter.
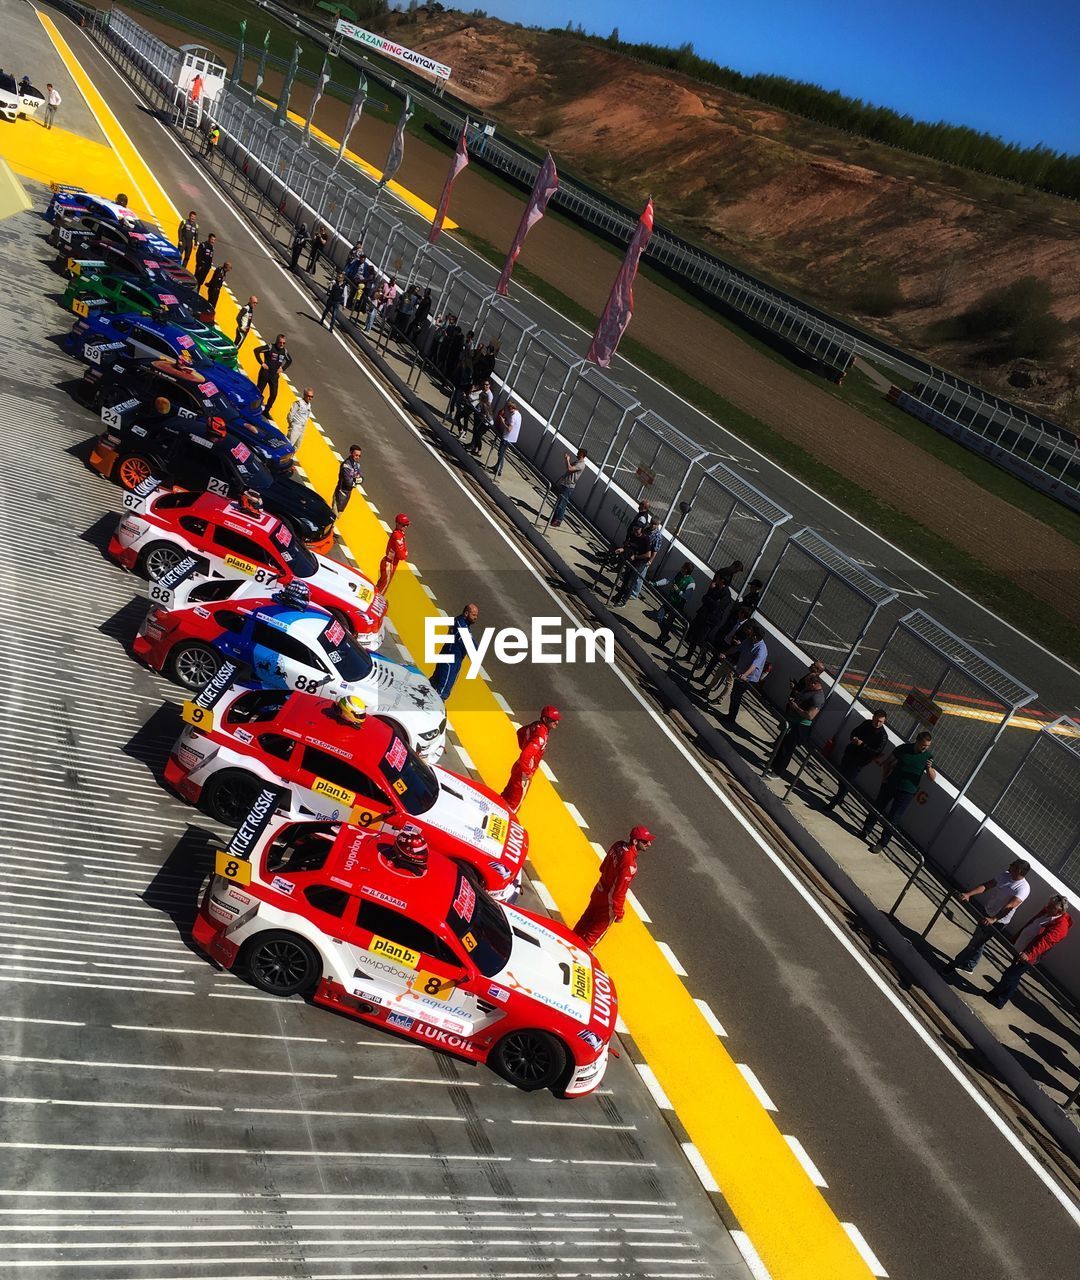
x: 342, y: 582
x: 467, y: 814
x: 299, y: 504
x: 404, y: 690
x: 548, y: 968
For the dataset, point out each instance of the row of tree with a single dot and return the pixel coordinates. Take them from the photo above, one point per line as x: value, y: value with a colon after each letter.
x: 1037, y: 166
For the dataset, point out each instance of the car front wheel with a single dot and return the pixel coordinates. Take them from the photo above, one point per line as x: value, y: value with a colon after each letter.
x: 193, y: 664
x: 281, y: 963
x: 530, y: 1059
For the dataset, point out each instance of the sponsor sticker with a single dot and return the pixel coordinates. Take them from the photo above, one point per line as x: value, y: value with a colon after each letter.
x: 282, y: 886
x: 208, y: 389
x: 499, y: 993
x: 283, y: 535
x: 168, y: 299
x: 394, y: 951
x: 497, y: 827
x: 581, y: 982
x: 185, y: 340
x: 239, y: 451
x: 341, y: 794
x: 397, y: 754
x: 334, y: 633
x: 242, y: 735
x: 367, y: 892
x: 592, y: 1040
x: 400, y: 1021
x: 465, y: 899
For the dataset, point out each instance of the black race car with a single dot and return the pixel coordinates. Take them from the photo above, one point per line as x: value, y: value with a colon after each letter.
x: 124, y: 390
x: 74, y: 229
x: 202, y: 455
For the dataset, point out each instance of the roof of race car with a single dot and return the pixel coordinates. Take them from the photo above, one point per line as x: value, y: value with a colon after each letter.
x: 87, y: 200
x: 209, y: 506
x: 313, y: 720
x: 305, y: 624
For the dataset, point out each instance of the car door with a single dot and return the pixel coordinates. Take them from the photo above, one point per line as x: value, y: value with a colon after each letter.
x: 337, y: 791
x: 401, y: 965
x: 191, y: 461
x: 283, y: 661
x: 244, y: 555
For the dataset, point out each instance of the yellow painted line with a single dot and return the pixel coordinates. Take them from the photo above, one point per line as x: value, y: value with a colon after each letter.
x: 792, y: 1227
x: 410, y: 197
x: 967, y: 713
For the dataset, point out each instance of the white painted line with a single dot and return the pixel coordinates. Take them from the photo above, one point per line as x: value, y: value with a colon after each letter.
x: 427, y: 591
x: 195, y: 1031
x: 95, y: 1062
x: 502, y: 703
x: 544, y: 894
x: 358, y: 1115
x: 750, y: 1256
x: 756, y: 1087
x: 714, y: 1022
x: 385, y: 527
x: 305, y: 1153
x: 251, y: 1071
x: 577, y: 1124
x: 672, y: 959
x: 697, y: 1161
x: 455, y: 1084
x: 865, y: 1252
x: 546, y: 770
x: 654, y: 1087
x: 598, y: 849
x: 465, y: 758
x: 47, y: 1022
x: 129, y: 1106
x: 811, y: 1169
x: 575, y: 813
x: 632, y: 898
x: 621, y: 1026
x: 343, y: 548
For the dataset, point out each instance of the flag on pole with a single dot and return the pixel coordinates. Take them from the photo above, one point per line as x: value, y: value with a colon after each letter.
x: 620, y: 304
x: 282, y: 112
x: 260, y: 73
x: 545, y: 186
x: 396, y: 153
x: 354, y: 115
x: 459, y: 161
x: 320, y: 85
x: 238, y: 61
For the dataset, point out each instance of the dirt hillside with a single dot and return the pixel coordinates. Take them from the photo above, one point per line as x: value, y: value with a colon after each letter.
x: 813, y: 209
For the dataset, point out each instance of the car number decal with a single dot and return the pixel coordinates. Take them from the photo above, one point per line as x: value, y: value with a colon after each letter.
x: 432, y: 985
x: 198, y: 717
x: 79, y: 307
x: 341, y: 794
x: 404, y: 956
x: 231, y: 867
x: 112, y: 414
x: 220, y: 487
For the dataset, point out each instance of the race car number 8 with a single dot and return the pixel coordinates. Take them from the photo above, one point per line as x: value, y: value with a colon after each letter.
x: 230, y: 867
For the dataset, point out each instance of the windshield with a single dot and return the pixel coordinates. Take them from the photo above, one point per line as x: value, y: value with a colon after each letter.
x: 299, y: 559
x: 481, y: 926
x: 347, y: 658
x: 303, y: 846
x: 410, y: 779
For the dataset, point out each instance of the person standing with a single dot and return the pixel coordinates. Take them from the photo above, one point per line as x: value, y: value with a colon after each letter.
x: 299, y: 241
x: 52, y: 102
x: 350, y: 474
x: 678, y: 592
x: 532, y: 744
x: 901, y: 775
x: 1004, y: 893
x: 564, y: 487
x: 187, y: 238
x: 1033, y: 941
x: 319, y: 241
x: 204, y: 258
x: 452, y: 654
x: 217, y: 278
x: 484, y: 420
x: 336, y: 295
x: 749, y: 667
x: 244, y: 318
x: 714, y: 607
x: 607, y: 903
x: 397, y: 552
x: 641, y: 554
x: 213, y: 137
x: 508, y: 425
x: 419, y: 321
x: 273, y: 361
x: 866, y: 743
x: 298, y: 417
x: 802, y: 708
x: 384, y: 300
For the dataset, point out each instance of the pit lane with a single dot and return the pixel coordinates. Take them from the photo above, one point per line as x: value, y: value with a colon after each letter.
x: 165, y: 1120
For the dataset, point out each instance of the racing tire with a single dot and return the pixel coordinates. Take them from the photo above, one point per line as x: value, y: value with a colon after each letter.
x: 530, y: 1059
x: 159, y: 558
x: 281, y: 963
x: 193, y: 664
x: 132, y: 470
x: 230, y: 794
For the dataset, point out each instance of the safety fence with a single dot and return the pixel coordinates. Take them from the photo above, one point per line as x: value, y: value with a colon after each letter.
x: 816, y: 595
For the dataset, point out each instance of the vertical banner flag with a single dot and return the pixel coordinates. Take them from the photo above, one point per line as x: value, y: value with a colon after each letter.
x: 260, y: 73
x: 238, y: 61
x: 396, y: 153
x: 458, y: 162
x: 282, y: 112
x: 354, y: 115
x: 545, y: 186
x: 320, y: 86
x: 620, y: 303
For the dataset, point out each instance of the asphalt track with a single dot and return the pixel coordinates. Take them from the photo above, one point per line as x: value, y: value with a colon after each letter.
x: 906, y: 1154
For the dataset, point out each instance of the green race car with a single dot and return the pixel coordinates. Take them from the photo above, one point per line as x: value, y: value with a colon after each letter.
x: 114, y: 291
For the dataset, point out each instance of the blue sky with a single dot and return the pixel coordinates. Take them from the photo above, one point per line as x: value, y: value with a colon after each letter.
x: 1009, y: 68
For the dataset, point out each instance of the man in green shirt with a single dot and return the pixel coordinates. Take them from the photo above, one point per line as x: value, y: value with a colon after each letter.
x: 901, y: 775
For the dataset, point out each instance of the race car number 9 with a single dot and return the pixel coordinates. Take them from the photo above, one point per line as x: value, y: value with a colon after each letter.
x: 198, y: 717
x: 230, y: 867
x: 79, y: 307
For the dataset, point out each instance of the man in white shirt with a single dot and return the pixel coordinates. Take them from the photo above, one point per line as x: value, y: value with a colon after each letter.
x: 299, y: 416
x: 508, y: 425
x: 52, y: 101
x: 1003, y: 895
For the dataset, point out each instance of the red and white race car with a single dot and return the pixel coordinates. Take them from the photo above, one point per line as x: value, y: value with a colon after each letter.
x: 329, y: 769
x: 164, y: 531
x: 417, y: 949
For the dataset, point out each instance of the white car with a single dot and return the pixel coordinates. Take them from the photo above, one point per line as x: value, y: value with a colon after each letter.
x: 286, y: 647
x: 14, y: 102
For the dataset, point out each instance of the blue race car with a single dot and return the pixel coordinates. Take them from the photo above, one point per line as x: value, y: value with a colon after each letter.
x: 111, y: 333
x: 72, y: 202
